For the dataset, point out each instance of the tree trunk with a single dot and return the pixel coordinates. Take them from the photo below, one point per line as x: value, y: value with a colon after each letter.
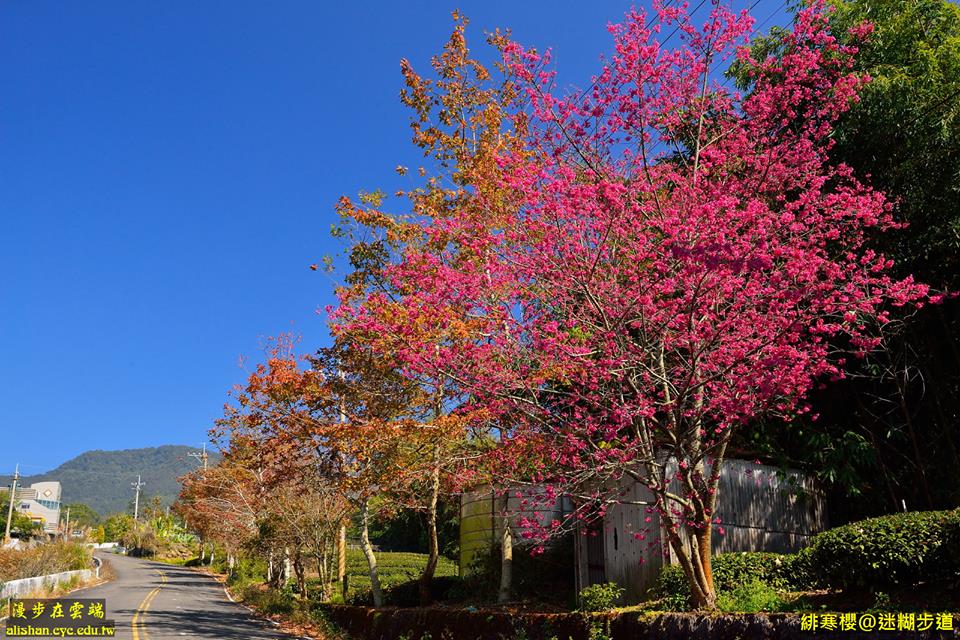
x: 324, y: 578
x: 705, y: 554
x: 270, y: 568
x: 433, y: 544
x: 321, y: 555
x: 371, y: 557
x: 301, y: 574
x: 877, y: 452
x: 506, y: 561
x: 697, y: 569
x: 287, y: 569
x: 911, y: 432
x: 342, y: 560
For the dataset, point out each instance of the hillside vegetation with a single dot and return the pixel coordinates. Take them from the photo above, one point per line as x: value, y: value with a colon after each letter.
x: 101, y: 479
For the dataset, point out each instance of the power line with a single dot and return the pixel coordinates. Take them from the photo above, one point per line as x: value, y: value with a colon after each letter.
x: 753, y: 30
x: 656, y: 18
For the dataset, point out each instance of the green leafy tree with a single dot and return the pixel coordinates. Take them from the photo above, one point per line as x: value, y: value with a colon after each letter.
x: 887, y: 434
x: 22, y: 526
x: 81, y: 515
x: 905, y: 133
x: 117, y: 526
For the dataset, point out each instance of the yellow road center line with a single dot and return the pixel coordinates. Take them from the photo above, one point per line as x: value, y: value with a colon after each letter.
x: 146, y: 606
x: 143, y: 617
x: 140, y: 609
x: 141, y: 612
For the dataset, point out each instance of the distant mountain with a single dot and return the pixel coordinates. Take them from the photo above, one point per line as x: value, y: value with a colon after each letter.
x: 102, y: 479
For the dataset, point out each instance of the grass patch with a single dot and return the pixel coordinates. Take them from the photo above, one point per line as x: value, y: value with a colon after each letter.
x: 750, y: 597
x: 177, y: 562
x: 395, y: 568
x: 44, y: 559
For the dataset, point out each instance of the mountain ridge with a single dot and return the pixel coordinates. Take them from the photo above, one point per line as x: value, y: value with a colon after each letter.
x: 102, y: 478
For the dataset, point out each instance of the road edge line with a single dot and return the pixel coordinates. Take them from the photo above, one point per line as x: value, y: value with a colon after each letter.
x: 253, y: 612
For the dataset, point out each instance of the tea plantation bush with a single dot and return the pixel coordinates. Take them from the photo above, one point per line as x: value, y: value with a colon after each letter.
x: 891, y: 551
x: 895, y: 551
x: 399, y: 573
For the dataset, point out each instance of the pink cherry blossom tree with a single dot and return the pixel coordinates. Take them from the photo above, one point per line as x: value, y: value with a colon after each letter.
x: 661, y: 263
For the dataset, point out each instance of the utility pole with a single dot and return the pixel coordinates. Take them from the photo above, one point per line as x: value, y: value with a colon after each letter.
x: 13, y: 497
x: 68, y: 536
x: 136, y: 497
x: 202, y: 457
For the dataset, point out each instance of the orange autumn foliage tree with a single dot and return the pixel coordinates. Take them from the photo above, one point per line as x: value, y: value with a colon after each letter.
x: 342, y: 424
x: 225, y: 503
x: 460, y: 123
x: 350, y: 421
x: 393, y: 436
x: 290, y: 503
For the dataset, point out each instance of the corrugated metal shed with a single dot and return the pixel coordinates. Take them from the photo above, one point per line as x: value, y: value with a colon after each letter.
x: 761, y: 508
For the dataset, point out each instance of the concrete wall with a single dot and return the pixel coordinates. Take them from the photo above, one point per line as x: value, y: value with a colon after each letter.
x: 21, y: 588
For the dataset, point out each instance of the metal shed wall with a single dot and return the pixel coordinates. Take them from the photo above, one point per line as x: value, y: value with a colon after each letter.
x: 761, y: 508
x: 482, y: 511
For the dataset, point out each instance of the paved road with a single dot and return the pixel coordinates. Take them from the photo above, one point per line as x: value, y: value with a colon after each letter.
x: 153, y: 601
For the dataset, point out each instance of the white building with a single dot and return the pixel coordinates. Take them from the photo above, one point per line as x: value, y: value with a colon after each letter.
x: 41, y: 503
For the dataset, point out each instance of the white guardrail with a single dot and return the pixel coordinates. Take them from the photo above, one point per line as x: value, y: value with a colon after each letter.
x: 16, y: 588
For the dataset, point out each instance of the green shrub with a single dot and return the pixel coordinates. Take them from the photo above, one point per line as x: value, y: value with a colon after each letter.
x: 600, y: 597
x: 947, y: 557
x: 778, y: 570
x: 784, y: 571
x: 247, y: 570
x: 891, y: 551
x: 44, y: 559
x: 407, y: 594
x: 268, y: 601
x: 749, y: 597
x: 393, y: 568
x: 672, y: 587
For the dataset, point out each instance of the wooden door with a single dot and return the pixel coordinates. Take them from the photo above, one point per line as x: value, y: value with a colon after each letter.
x: 596, y: 558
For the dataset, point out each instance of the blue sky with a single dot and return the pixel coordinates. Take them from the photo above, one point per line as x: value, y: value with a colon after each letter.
x: 167, y: 175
